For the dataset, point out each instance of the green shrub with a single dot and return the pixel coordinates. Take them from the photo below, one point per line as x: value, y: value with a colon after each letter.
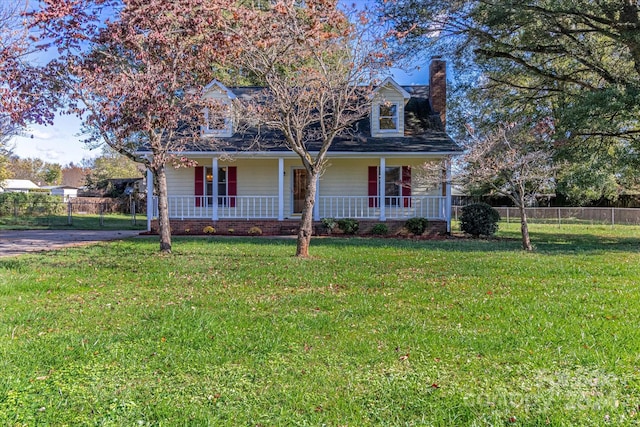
x: 12, y: 203
x: 416, y: 226
x: 348, y: 225
x: 329, y: 224
x: 45, y: 204
x: 479, y: 219
x: 380, y: 229
x: 31, y: 204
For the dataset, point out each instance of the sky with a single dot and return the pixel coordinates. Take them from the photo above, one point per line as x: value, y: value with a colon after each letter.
x: 59, y: 143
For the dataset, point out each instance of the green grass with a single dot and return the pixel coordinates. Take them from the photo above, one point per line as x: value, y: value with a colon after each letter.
x: 78, y: 222
x: 368, y: 332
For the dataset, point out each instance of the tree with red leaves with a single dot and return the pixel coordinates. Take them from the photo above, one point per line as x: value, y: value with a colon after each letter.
x: 23, y: 97
x: 133, y: 71
x: 318, y: 65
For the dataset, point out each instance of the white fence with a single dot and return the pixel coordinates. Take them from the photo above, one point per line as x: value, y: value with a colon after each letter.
x: 568, y: 215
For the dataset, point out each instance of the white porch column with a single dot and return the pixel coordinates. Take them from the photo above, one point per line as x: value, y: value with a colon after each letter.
x: 149, y: 199
x: 381, y: 187
x: 447, y: 202
x: 280, y: 189
x: 214, y: 189
x: 316, y: 206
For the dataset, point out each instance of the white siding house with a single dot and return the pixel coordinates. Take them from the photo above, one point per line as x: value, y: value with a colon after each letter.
x: 372, y: 176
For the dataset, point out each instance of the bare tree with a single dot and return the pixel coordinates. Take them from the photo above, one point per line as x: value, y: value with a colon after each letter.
x: 515, y: 161
x: 317, y: 67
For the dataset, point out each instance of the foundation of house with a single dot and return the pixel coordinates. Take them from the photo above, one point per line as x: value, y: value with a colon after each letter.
x: 239, y: 227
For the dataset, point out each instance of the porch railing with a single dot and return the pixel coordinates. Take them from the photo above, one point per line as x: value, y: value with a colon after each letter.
x: 240, y: 207
x: 266, y: 207
x: 431, y: 207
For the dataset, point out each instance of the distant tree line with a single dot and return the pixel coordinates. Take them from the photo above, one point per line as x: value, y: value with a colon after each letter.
x: 92, y: 173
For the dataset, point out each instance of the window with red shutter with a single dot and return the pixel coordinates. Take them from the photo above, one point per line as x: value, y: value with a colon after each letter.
x: 198, y: 190
x: 227, y: 186
x: 373, y: 186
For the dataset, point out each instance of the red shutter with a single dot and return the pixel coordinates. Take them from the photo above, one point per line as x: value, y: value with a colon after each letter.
x: 199, y: 185
x: 373, y: 186
x: 232, y: 185
x: 406, y: 186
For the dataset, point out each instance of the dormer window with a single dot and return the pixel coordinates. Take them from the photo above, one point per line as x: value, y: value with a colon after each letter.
x: 218, y: 120
x: 387, y: 109
x: 388, y: 117
x: 218, y: 113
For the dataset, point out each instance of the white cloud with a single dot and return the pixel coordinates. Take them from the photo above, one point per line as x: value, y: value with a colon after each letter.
x: 51, y: 155
x: 39, y: 134
x: 58, y: 143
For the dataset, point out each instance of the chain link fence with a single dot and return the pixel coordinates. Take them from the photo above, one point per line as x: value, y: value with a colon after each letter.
x: 568, y: 215
x: 43, y: 210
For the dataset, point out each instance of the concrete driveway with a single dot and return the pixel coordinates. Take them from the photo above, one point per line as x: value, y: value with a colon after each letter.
x: 17, y: 242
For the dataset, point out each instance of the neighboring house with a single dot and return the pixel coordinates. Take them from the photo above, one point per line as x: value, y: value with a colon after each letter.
x: 65, y: 191
x: 17, y: 186
x: 370, y: 174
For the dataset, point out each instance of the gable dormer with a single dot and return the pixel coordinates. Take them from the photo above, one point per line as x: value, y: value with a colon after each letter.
x: 218, y: 115
x: 387, y: 109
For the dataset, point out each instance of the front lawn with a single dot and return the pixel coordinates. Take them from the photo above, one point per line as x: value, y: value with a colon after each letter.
x: 369, y: 332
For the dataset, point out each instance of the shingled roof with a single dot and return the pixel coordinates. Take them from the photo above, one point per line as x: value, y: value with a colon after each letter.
x: 424, y: 132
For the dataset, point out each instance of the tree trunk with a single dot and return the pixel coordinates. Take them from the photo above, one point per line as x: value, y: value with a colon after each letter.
x: 164, y: 226
x: 524, y: 230
x: 306, y: 222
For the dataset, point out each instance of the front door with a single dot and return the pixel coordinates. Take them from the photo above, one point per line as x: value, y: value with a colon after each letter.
x: 299, y: 189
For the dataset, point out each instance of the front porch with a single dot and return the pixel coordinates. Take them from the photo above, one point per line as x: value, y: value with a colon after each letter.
x: 274, y: 190
x: 270, y: 207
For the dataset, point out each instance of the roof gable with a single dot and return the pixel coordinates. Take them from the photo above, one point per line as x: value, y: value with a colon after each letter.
x: 389, y: 82
x: 215, y: 85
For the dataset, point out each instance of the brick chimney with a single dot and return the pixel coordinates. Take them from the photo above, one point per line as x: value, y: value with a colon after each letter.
x: 438, y: 87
